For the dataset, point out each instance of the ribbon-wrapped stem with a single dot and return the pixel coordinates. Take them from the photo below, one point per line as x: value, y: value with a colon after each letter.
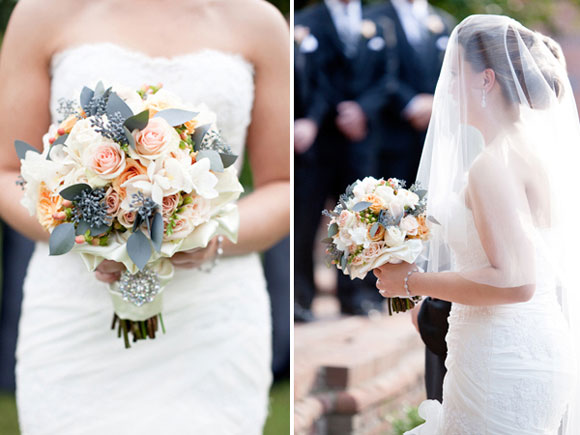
x: 139, y: 330
x: 400, y: 305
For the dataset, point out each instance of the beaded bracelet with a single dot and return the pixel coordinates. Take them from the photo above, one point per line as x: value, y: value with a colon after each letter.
x: 406, y: 281
x: 218, y: 253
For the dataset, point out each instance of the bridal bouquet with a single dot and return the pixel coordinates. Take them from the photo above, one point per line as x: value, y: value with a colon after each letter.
x: 377, y: 222
x: 134, y: 177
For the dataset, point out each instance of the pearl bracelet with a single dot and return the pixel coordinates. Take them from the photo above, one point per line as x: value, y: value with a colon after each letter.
x: 406, y: 281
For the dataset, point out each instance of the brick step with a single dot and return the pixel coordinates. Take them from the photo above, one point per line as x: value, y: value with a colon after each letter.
x: 351, y: 373
x: 346, y: 352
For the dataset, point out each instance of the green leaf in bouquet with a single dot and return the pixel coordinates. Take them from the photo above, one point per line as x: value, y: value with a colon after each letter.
x: 138, y: 121
x: 116, y: 104
x: 228, y: 159
x: 360, y: 206
x: 98, y: 230
x: 157, y: 231
x: 139, y: 249
x: 432, y: 219
x: 130, y: 138
x: 198, y: 135
x: 327, y: 240
x: 176, y: 117
x: 374, y: 229
x: 216, y: 164
x: 421, y: 193
x: 82, y: 228
x: 21, y: 148
x: 99, y: 90
x: 86, y: 97
x: 344, y: 260
x: 332, y: 229
x: 137, y: 222
x: 62, y: 239
x: 73, y: 191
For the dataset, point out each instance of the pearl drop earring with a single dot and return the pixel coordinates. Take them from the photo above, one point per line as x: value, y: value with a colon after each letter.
x: 483, y: 101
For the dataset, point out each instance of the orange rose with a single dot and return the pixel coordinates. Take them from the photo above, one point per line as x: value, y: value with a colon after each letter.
x: 423, y: 230
x: 377, y: 203
x: 48, y: 204
x: 132, y: 169
x: 378, y: 235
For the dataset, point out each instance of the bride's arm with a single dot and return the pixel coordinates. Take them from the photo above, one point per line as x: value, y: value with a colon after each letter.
x: 24, y: 103
x: 265, y: 213
x: 500, y: 210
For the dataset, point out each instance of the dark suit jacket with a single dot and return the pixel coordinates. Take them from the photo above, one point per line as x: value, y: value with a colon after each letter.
x: 333, y: 77
x: 412, y: 71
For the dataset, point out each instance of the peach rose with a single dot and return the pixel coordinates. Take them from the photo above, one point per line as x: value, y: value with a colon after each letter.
x: 410, y: 225
x: 170, y: 203
x: 48, y: 204
x: 346, y: 219
x: 190, y: 126
x: 132, y: 169
x: 112, y: 201
x: 107, y: 160
x: 378, y: 235
x: 423, y: 230
x: 194, y: 214
x: 376, y: 203
x: 156, y: 139
x: 373, y: 251
x: 126, y: 218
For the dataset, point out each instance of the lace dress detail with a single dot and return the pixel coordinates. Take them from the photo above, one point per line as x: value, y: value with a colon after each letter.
x: 509, y: 369
x: 211, y: 372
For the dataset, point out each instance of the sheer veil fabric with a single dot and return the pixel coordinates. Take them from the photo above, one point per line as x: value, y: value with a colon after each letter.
x: 500, y: 156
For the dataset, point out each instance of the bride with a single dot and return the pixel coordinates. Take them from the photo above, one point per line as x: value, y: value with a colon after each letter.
x: 498, y: 164
x: 210, y: 374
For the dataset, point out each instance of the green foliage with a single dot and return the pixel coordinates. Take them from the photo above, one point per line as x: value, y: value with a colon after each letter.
x: 408, y: 421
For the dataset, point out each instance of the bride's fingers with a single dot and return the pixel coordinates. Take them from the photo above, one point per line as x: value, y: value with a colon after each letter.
x: 109, y: 266
x: 108, y: 278
x: 377, y: 273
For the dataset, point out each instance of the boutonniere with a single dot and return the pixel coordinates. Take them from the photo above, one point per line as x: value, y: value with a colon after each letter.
x: 434, y: 23
x: 368, y: 29
x: 300, y: 33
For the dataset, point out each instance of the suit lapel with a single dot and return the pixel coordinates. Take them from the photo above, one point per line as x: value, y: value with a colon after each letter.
x: 331, y: 31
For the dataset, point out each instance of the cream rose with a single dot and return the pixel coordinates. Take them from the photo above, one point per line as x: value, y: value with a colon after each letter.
x: 394, y: 237
x: 409, y: 225
x: 346, y: 219
x: 156, y: 139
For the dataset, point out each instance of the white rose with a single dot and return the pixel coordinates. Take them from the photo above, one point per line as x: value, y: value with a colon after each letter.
x: 386, y: 193
x: 343, y: 241
x: 407, y: 198
x: 162, y: 100
x: 364, y: 187
x: 394, y: 236
x: 346, y: 219
x: 409, y: 225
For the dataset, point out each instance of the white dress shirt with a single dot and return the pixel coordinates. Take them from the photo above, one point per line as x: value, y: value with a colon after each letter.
x: 347, y: 19
x: 412, y: 15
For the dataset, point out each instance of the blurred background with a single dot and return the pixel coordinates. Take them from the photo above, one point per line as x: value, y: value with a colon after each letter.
x: 365, y: 72
x: 16, y: 250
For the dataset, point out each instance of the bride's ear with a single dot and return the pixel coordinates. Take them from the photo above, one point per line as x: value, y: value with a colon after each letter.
x: 488, y: 79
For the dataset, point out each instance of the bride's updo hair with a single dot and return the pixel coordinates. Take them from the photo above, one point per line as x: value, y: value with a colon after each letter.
x: 519, y: 57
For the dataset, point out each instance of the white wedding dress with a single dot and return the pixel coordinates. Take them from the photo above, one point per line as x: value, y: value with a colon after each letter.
x: 210, y: 373
x: 510, y: 368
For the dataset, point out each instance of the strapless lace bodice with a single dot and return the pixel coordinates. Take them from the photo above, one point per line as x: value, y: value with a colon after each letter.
x: 221, y: 80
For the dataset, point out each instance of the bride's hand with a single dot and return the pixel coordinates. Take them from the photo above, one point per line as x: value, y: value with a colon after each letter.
x: 391, y: 279
x: 109, y: 271
x: 196, y: 257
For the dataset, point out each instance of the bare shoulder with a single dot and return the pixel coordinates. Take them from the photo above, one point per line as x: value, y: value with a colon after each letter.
x: 35, y: 24
x: 262, y: 25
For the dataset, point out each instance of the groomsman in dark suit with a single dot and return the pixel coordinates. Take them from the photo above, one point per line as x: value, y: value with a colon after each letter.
x: 419, y: 34
x: 344, y: 69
